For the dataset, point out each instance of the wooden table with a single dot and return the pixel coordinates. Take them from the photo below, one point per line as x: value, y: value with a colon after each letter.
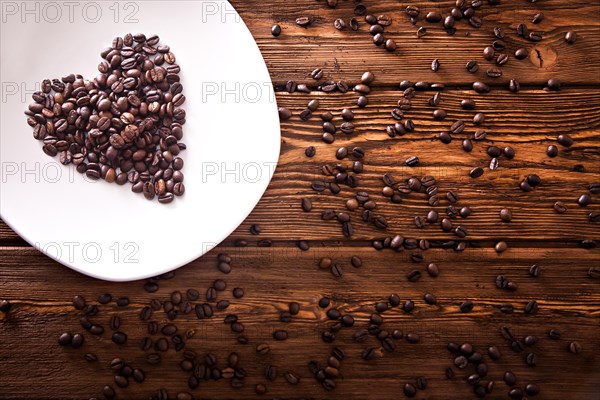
x: 33, y: 366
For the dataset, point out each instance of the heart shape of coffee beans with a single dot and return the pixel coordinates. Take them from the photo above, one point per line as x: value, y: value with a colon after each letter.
x: 124, y: 125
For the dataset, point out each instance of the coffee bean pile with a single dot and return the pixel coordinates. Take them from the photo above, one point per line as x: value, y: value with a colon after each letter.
x: 123, y: 126
x: 326, y: 376
x: 466, y: 355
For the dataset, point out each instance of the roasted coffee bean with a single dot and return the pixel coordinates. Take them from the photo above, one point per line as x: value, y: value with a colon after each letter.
x: 430, y: 299
x: 284, y: 114
x: 339, y: 24
x: 575, y: 347
x: 409, y: 390
x: 505, y: 215
x: 291, y: 378
x: 570, y: 37
x: 537, y: 18
x: 554, y: 84
x: 280, y: 335
x: 476, y: 172
x: 412, y: 161
x: 303, y: 21
x: 531, y: 307
x: 531, y: 359
x: 119, y: 338
x: 439, y: 114
x: 532, y: 389
x: 481, y: 87
x: 494, y: 72
x: 433, y: 17
x: 414, y: 275
x: 535, y: 36
x: 584, y: 200
x: 472, y: 66
x: 336, y: 270
x: 466, y: 306
x: 533, y: 180
x: 552, y: 151
x: 565, y: 139
x: 412, y: 338
x: 509, y: 378
x: 276, y: 30
x: 435, y: 99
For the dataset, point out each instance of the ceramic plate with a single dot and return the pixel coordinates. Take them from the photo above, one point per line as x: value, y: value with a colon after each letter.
x: 232, y: 135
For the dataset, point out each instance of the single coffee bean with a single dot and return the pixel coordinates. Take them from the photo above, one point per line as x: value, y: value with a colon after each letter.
x: 537, y: 18
x: 65, y: 339
x: 412, y: 338
x: 280, y: 335
x: 303, y: 21
x: 534, y: 180
x: 575, y: 347
x: 509, y: 378
x: 119, y: 338
x: 584, y: 200
x: 77, y: 341
x: 284, y: 114
x: 560, y: 207
x: 505, y: 215
x: 500, y: 247
x: 565, y: 140
x: 276, y: 30
x: 414, y: 275
x: 476, y: 172
x: 554, y: 84
x: 534, y: 270
x: 531, y: 359
x: 472, y: 66
x: 439, y: 114
x: 552, y: 151
x: 532, y: 389
x: 481, y: 87
x: 433, y: 16
x: 521, y: 53
x: 412, y: 161
x: 466, y: 306
x: 409, y: 390
x: 123, y: 301
x: 531, y: 307
x: 570, y: 37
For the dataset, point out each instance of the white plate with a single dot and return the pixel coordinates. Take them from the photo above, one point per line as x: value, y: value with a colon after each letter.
x: 232, y: 134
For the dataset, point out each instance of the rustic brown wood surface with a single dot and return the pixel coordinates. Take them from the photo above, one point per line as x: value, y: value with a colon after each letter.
x: 33, y: 366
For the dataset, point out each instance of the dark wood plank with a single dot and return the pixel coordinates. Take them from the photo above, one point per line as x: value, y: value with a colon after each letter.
x: 346, y: 54
x: 528, y: 121
x: 569, y: 301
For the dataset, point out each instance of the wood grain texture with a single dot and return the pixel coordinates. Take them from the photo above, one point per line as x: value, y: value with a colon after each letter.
x: 569, y: 301
x: 33, y: 366
x: 346, y: 54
